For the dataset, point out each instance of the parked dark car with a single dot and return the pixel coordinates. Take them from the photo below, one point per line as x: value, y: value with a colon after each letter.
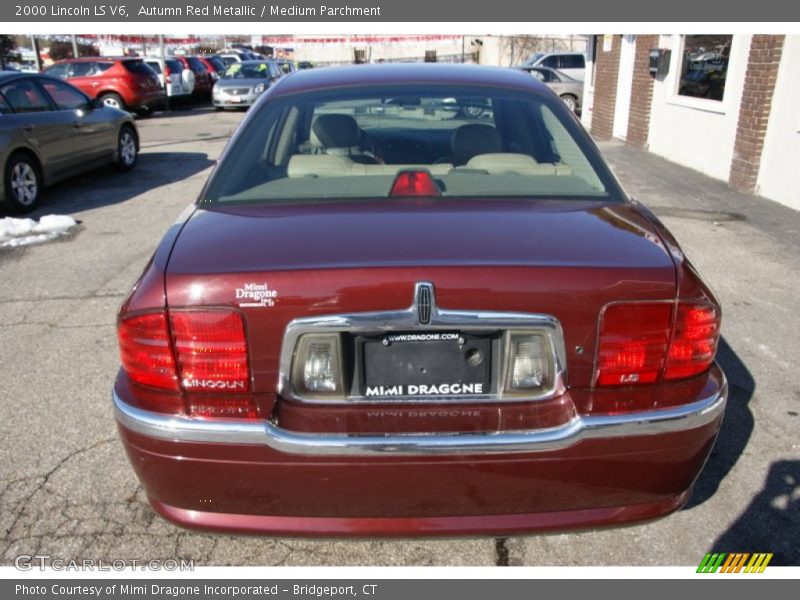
x: 124, y: 83
x: 50, y: 130
x: 385, y: 318
x: 214, y: 64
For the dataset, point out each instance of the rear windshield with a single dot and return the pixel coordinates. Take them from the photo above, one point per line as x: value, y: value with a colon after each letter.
x: 474, y: 143
x: 154, y: 65
x: 217, y: 62
x: 196, y: 64
x: 174, y: 65
x: 137, y: 66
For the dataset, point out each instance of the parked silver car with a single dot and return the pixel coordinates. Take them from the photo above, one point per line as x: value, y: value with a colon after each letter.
x: 568, y: 89
x: 573, y: 64
x: 50, y: 130
x: 243, y: 83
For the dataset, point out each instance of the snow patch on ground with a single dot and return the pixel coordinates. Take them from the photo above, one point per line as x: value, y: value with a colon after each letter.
x: 21, y: 232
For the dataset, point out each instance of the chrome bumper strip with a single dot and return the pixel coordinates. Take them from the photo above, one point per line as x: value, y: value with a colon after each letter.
x: 680, y: 418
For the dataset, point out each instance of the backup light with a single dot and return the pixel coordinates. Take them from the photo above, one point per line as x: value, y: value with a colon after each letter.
x: 530, y: 365
x: 317, y: 369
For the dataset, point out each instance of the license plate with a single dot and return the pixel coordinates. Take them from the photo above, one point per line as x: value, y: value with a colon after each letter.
x: 426, y: 364
x: 234, y: 100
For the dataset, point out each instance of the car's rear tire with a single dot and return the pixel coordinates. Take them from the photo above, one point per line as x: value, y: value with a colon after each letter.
x: 113, y: 100
x: 571, y: 102
x: 23, y: 183
x: 127, y: 148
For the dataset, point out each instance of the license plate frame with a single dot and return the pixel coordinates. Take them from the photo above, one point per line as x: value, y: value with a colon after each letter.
x: 425, y: 365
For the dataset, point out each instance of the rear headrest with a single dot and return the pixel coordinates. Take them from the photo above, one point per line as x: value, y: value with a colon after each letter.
x: 335, y: 131
x: 318, y: 165
x: 473, y: 139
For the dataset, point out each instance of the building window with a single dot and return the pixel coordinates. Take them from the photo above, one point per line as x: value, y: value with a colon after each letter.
x: 705, y: 66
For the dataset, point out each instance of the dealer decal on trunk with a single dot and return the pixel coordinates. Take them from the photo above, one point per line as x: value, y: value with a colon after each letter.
x: 256, y: 295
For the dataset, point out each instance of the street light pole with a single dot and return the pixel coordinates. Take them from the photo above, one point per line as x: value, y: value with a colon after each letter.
x: 36, y: 56
x: 75, y: 46
x: 163, y: 55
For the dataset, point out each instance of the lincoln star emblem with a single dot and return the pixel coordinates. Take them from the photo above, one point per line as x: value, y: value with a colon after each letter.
x: 424, y: 302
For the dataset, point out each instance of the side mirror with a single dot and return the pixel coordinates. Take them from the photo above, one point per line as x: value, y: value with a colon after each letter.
x: 86, y: 108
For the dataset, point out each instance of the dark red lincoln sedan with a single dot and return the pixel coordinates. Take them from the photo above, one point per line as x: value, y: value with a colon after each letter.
x: 391, y: 314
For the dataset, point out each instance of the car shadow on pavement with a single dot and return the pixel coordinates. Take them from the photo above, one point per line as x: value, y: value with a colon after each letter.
x: 771, y: 522
x: 737, y: 426
x: 106, y: 186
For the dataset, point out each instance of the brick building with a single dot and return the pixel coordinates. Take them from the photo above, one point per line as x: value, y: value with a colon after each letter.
x: 725, y: 105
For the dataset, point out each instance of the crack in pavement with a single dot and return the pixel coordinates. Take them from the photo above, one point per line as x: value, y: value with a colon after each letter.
x: 501, y: 551
x: 40, y: 485
x: 57, y: 298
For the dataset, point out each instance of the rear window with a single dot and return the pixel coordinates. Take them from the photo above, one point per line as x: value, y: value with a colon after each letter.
x: 195, y: 64
x: 154, y: 65
x: 572, y: 61
x: 83, y: 69
x: 217, y: 62
x: 23, y: 96
x: 138, y: 67
x: 174, y: 65
x: 474, y: 142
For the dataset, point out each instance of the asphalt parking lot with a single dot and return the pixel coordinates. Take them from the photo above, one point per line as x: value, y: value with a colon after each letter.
x: 67, y: 490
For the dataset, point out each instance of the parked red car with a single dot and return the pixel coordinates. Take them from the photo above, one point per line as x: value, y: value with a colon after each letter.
x: 214, y: 65
x: 123, y: 83
x: 203, y: 81
x: 385, y: 318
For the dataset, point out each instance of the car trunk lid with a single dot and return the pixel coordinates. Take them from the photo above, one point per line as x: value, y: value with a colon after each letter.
x: 280, y: 263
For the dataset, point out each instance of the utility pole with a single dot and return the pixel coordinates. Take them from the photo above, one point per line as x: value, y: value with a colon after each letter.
x: 36, y: 56
x: 162, y: 53
x: 75, y: 46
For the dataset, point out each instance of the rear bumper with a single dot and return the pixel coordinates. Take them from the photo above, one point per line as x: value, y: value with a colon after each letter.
x: 154, y: 100
x: 592, y: 471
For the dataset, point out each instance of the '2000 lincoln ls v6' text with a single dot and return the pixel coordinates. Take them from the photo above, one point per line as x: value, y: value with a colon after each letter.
x: 391, y: 313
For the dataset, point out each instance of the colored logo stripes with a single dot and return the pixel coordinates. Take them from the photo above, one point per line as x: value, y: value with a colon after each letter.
x: 735, y: 562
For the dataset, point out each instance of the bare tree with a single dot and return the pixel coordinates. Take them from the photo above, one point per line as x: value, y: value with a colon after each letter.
x: 8, y: 50
x: 519, y: 48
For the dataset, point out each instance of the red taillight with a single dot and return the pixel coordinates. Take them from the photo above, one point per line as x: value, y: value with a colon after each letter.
x: 414, y: 184
x: 210, y: 359
x: 211, y: 350
x: 167, y: 71
x: 633, y: 342
x: 694, y: 341
x: 639, y: 343
x: 145, y: 350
